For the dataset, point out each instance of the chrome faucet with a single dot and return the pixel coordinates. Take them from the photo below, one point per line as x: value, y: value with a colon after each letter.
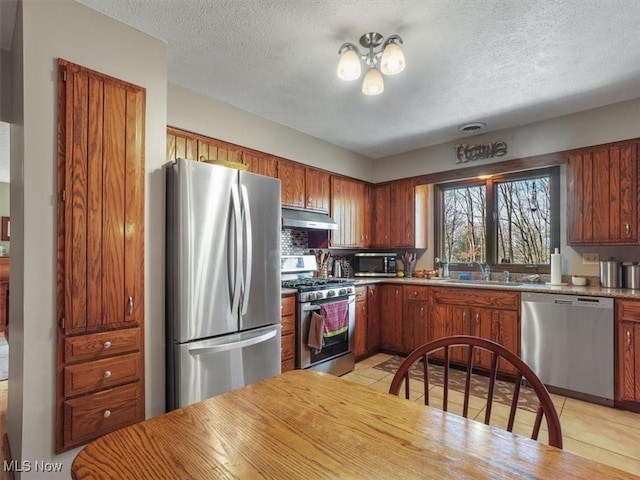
x: 484, y: 269
x: 507, y: 276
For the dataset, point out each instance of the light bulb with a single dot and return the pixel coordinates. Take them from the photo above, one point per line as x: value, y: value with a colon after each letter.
x: 392, y: 61
x: 349, y: 66
x: 373, y: 83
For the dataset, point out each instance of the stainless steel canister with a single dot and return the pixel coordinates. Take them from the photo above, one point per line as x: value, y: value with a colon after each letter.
x: 610, y: 274
x: 631, y: 275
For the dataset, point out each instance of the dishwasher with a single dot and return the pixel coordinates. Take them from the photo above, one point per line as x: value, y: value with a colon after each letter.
x: 568, y: 341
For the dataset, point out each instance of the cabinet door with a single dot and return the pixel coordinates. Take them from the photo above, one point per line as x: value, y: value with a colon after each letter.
x: 602, y: 195
x: 460, y: 325
x: 482, y: 326
x: 215, y: 150
x: 402, y: 213
x: 628, y: 359
x: 292, y: 176
x: 101, y: 221
x: 181, y: 145
x: 381, y: 216
x: 260, y: 164
x: 414, y: 324
x: 348, y: 204
x: 506, y: 332
x: 317, y: 186
x: 360, y: 335
x: 391, y: 336
x: 441, y: 324
x: 373, y: 319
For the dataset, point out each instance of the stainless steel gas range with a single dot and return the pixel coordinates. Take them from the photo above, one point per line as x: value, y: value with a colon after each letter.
x: 331, y: 299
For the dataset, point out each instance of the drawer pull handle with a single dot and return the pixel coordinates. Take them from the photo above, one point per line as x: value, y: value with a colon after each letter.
x: 627, y: 228
x: 628, y: 337
x: 130, y: 305
x: 107, y: 374
x: 107, y: 413
x: 107, y: 344
x: 415, y: 294
x: 477, y: 318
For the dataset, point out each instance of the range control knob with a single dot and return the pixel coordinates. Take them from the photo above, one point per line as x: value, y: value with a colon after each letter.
x: 319, y: 295
x: 311, y: 296
x: 343, y: 291
x: 331, y: 293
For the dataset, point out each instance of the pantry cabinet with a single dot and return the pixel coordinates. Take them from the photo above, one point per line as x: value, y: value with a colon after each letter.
x: 603, y: 195
x: 627, y: 378
x: 100, y: 254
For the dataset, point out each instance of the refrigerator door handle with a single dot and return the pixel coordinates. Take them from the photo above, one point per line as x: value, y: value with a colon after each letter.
x: 223, y: 347
x: 237, y: 274
x: 248, y: 250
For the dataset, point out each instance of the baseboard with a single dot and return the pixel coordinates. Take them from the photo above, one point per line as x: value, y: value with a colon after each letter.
x: 7, y: 455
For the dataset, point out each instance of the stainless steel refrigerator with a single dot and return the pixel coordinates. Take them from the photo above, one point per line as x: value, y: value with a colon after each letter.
x: 222, y: 279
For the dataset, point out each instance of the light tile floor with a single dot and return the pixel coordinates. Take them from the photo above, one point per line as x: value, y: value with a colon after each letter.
x: 596, y: 432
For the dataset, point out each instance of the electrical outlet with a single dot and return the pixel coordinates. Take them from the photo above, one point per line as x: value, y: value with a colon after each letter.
x: 590, y: 258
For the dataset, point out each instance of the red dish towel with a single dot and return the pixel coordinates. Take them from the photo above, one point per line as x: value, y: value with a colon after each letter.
x: 316, y: 340
x: 336, y: 317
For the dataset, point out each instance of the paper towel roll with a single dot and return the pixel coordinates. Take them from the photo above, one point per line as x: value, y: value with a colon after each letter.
x: 556, y: 267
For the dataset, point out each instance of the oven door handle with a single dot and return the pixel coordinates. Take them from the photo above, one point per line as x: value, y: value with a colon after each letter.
x: 318, y: 306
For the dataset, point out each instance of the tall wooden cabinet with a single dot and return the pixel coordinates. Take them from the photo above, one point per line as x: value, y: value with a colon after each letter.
x: 603, y: 195
x: 350, y: 208
x: 627, y: 379
x: 288, y: 321
x: 100, y: 255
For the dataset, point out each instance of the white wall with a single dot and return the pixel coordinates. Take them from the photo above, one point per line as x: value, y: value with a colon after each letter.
x: 66, y: 29
x: 612, y: 123
x: 196, y: 113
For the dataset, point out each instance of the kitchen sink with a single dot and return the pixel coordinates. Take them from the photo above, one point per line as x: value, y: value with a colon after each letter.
x: 483, y: 282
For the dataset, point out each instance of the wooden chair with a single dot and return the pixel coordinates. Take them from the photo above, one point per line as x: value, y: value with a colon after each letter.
x: 473, y: 345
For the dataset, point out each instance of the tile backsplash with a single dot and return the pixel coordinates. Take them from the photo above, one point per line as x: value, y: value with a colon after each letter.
x: 294, y: 242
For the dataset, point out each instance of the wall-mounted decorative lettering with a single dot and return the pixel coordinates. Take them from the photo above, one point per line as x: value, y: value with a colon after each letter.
x: 466, y: 153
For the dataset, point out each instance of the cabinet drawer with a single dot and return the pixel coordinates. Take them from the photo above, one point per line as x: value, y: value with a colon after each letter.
x: 471, y: 297
x: 91, y: 416
x: 288, y: 346
x: 100, y: 345
x: 628, y: 310
x: 416, y: 293
x: 288, y: 306
x: 361, y: 294
x: 101, y: 374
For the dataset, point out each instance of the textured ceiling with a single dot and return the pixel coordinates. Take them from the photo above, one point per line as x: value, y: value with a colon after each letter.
x: 503, y: 62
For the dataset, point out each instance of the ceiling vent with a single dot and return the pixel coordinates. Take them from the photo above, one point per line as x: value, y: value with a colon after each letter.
x: 472, y: 127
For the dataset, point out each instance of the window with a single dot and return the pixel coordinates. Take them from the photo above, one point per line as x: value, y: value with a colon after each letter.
x: 510, y: 219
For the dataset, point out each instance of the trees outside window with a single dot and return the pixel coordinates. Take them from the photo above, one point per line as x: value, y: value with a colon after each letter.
x: 508, y: 219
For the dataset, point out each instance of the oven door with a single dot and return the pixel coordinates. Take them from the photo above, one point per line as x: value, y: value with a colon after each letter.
x: 334, y: 346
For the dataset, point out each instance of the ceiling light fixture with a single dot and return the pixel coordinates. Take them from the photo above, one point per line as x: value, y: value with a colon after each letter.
x: 389, y: 58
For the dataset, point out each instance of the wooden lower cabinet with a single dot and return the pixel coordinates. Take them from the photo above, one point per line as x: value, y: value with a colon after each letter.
x: 288, y: 347
x: 103, y: 384
x: 373, y: 318
x: 391, y: 336
x: 360, y: 334
x: 415, y: 317
x: 627, y: 378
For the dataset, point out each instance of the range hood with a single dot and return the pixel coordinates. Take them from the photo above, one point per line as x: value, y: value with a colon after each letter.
x: 305, y: 220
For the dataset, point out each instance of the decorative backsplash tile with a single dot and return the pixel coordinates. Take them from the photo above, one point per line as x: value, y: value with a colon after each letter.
x: 294, y: 242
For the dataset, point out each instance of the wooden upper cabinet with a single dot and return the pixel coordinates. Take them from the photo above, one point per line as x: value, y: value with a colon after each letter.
x: 317, y: 187
x: 101, y: 214
x: 181, y: 144
x: 215, y: 150
x: 262, y: 164
x: 402, y: 213
x: 349, y: 204
x: 292, y: 178
x: 603, y: 195
x: 381, y: 224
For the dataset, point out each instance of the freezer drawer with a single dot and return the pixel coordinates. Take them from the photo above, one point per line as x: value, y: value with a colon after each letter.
x: 207, y: 368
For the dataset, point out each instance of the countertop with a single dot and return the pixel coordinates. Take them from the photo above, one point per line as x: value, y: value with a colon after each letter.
x: 519, y: 287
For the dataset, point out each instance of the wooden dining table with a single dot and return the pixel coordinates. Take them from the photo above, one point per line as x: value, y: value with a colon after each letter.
x: 309, y: 425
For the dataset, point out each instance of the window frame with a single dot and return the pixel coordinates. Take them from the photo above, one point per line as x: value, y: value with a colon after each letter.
x: 491, y: 232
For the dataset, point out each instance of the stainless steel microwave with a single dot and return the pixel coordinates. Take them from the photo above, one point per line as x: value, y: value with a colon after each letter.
x: 374, y: 264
